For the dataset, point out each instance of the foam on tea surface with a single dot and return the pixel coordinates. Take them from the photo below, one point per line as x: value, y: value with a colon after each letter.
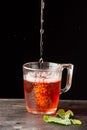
x: 42, y: 77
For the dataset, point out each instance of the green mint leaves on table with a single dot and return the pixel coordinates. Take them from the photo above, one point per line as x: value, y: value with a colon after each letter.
x: 62, y: 118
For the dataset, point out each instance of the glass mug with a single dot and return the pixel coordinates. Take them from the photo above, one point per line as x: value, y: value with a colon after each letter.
x: 42, y: 85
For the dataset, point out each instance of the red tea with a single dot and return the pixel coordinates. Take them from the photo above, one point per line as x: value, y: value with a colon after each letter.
x: 42, y: 96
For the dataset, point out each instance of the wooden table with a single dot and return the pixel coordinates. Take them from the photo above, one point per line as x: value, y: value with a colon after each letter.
x: 14, y: 116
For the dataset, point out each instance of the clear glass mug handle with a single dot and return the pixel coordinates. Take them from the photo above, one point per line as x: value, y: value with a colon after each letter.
x: 69, y: 75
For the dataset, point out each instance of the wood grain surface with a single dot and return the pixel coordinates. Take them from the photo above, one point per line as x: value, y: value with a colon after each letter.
x: 14, y: 116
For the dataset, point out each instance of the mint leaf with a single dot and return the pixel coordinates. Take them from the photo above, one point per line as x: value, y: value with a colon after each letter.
x: 52, y: 119
x: 69, y: 114
x: 76, y: 122
x: 61, y: 113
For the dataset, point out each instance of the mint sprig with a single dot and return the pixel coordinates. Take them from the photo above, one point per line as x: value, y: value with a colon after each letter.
x: 62, y: 118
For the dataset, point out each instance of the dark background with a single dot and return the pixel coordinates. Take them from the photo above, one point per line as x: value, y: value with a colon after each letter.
x: 65, y: 39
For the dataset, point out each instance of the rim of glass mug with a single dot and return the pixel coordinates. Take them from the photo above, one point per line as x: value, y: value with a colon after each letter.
x: 46, y: 66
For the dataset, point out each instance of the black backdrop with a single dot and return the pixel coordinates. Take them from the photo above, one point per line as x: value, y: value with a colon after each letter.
x: 65, y: 29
